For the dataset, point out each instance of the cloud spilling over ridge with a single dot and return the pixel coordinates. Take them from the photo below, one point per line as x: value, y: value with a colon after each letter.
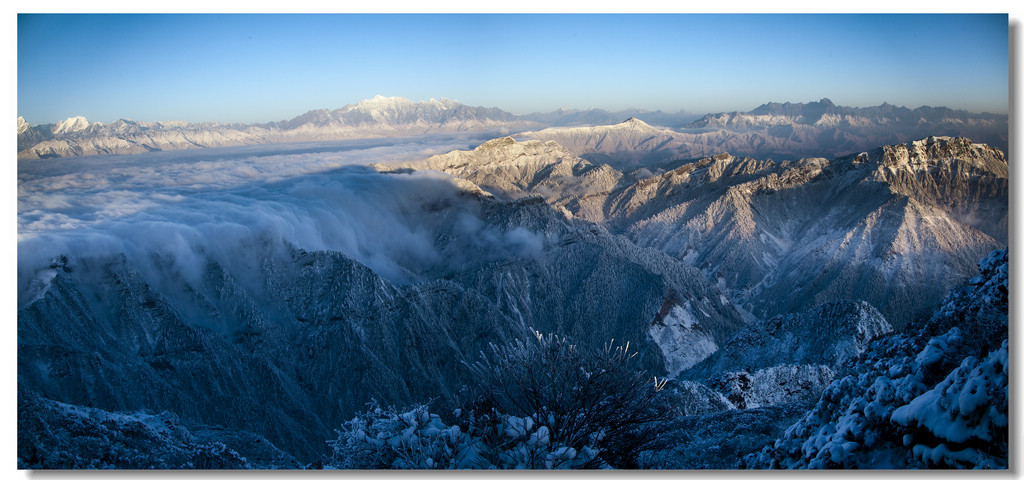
x: 63, y: 193
x: 180, y: 211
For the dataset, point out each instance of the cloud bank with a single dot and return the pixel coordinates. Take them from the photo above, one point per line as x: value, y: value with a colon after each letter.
x: 181, y: 210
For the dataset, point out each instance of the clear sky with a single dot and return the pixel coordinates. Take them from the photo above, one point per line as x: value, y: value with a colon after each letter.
x: 262, y: 67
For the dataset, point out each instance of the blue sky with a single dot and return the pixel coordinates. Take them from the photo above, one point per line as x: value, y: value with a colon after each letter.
x: 259, y: 68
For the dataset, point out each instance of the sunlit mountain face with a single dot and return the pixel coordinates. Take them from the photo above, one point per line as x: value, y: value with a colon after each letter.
x: 400, y: 284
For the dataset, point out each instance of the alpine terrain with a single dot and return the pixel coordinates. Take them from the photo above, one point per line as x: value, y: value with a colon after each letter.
x: 798, y: 286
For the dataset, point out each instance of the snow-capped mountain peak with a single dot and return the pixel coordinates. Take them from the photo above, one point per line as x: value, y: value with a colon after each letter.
x: 71, y: 124
x: 443, y: 103
x: 378, y: 102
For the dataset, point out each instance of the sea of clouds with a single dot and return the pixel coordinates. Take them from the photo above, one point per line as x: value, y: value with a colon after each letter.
x: 186, y: 208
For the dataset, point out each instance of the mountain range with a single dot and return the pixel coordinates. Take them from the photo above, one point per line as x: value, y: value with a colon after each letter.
x: 896, y: 226
x: 376, y: 117
x: 788, y: 131
x: 781, y: 131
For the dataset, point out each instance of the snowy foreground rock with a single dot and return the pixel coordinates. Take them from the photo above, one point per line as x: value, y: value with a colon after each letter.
x: 932, y: 398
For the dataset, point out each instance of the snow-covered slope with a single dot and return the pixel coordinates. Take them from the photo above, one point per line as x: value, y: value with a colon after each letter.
x: 29, y: 135
x: 71, y: 125
x: 752, y: 282
x: 826, y: 113
x: 833, y: 128
x: 630, y: 142
x: 936, y: 397
x: 392, y: 116
x: 510, y: 169
x: 829, y: 335
x: 933, y: 396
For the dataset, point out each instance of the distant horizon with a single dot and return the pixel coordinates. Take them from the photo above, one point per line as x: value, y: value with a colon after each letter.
x: 683, y: 111
x: 260, y: 68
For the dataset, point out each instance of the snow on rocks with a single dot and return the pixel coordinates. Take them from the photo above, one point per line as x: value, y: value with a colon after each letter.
x: 919, y: 400
x: 682, y: 344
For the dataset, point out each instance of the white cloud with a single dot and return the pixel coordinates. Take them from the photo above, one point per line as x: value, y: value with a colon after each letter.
x: 182, y: 209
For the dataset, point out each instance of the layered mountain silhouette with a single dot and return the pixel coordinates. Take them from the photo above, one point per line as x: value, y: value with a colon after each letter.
x: 780, y: 131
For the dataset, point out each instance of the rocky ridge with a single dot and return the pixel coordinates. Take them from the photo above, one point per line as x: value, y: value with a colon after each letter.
x: 896, y: 226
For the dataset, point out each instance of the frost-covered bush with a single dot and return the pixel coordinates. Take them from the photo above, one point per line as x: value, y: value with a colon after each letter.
x: 386, y: 438
x: 540, y: 403
x: 920, y: 400
x: 962, y: 421
x: 584, y: 400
